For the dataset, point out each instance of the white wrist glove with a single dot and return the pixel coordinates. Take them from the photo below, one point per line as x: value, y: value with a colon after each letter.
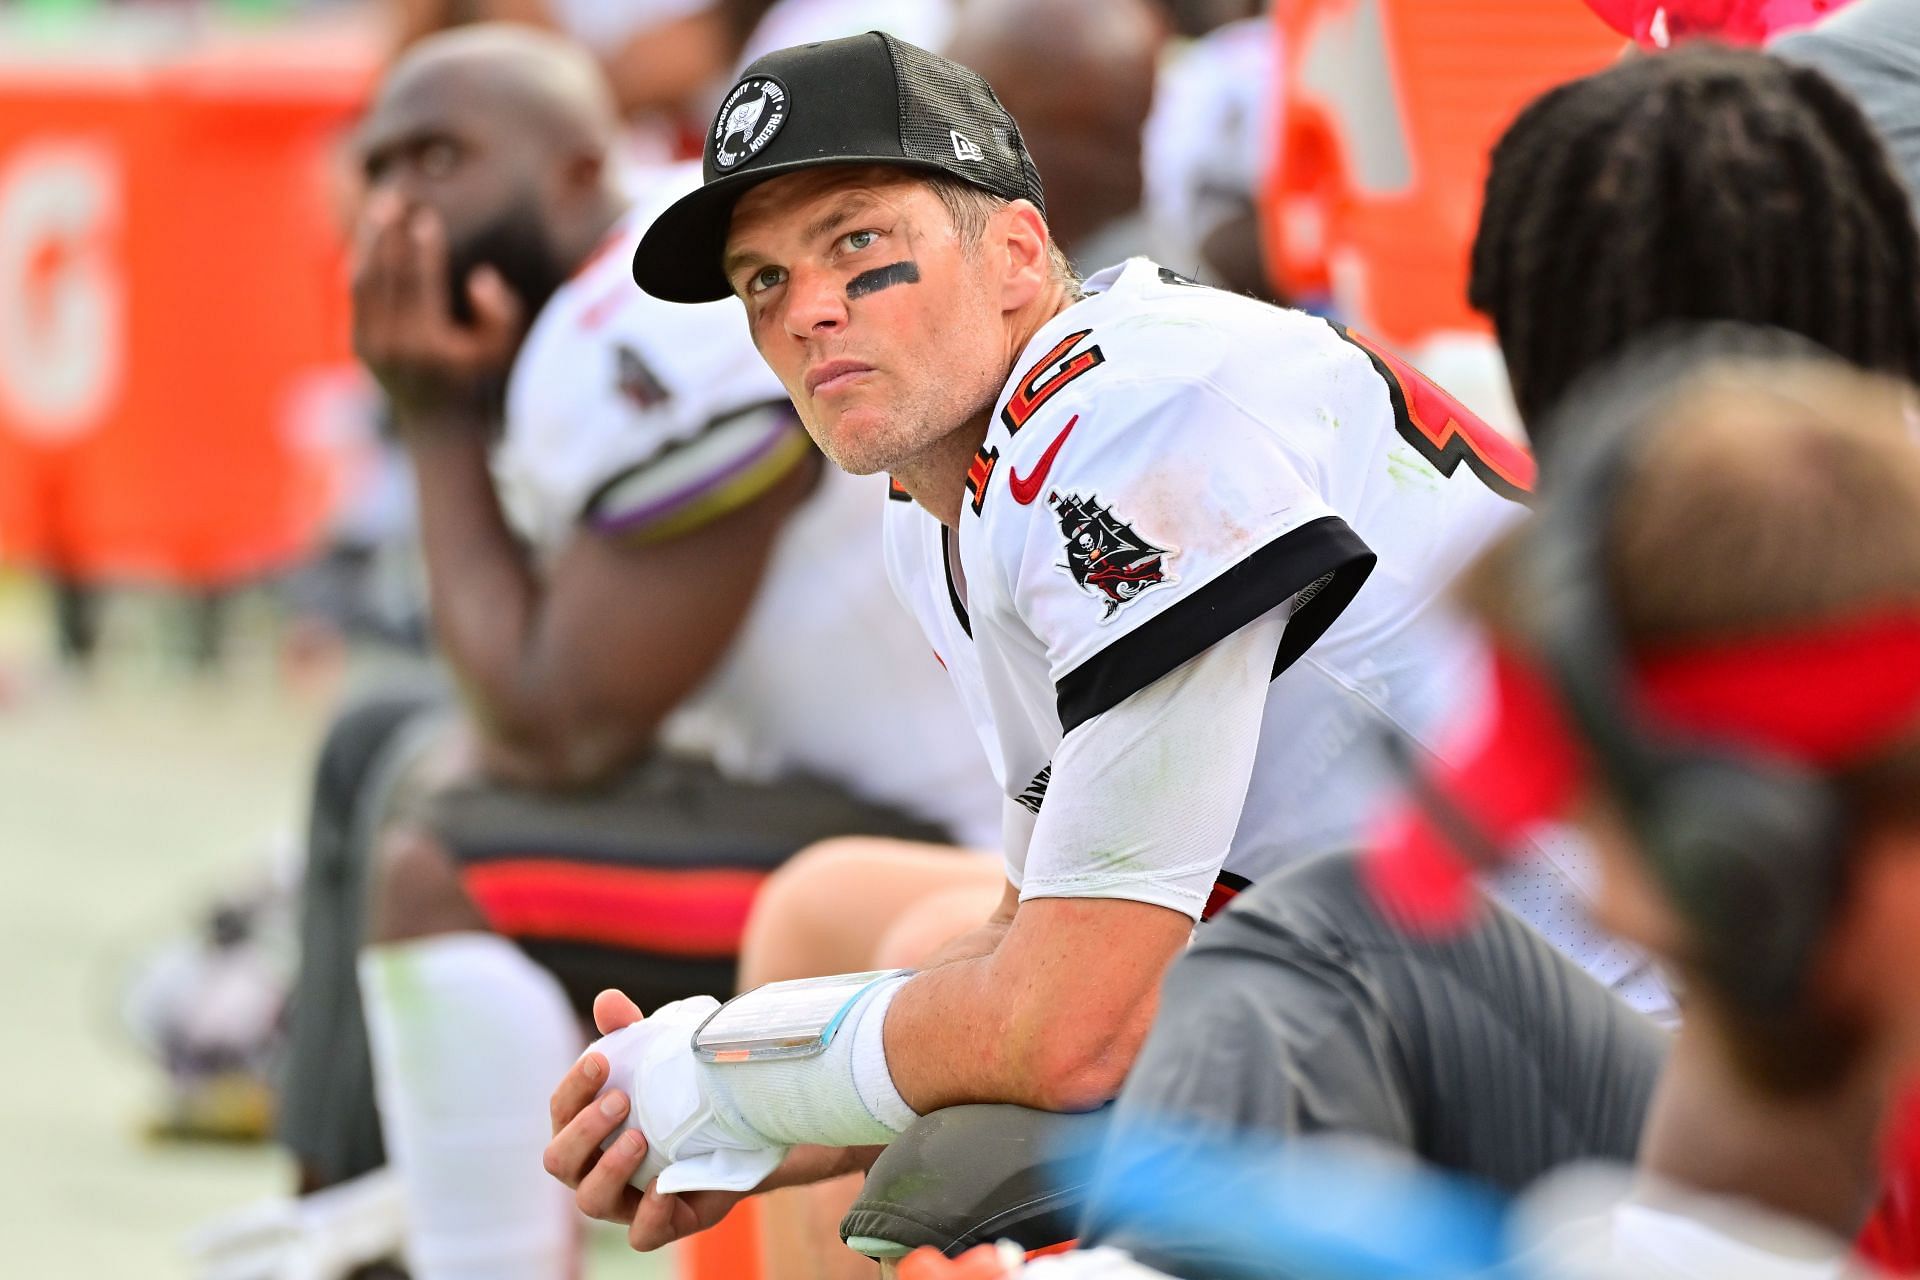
x: 690, y: 1146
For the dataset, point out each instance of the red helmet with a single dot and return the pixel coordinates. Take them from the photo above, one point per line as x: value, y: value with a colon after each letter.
x: 1656, y: 24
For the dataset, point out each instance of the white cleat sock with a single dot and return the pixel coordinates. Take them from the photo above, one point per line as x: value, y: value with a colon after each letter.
x: 469, y: 1037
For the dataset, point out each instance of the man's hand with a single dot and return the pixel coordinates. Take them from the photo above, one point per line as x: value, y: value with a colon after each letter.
x: 430, y: 365
x: 601, y: 1179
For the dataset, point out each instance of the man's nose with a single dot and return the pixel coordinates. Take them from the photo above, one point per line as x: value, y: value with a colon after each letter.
x: 816, y: 306
x: 387, y: 198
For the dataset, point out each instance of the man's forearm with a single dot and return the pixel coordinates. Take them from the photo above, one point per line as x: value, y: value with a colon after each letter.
x: 970, y: 945
x: 483, y: 593
x: 810, y: 1164
x: 1051, y: 1018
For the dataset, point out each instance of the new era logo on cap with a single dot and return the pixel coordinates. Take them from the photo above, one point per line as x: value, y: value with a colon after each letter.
x: 964, y: 147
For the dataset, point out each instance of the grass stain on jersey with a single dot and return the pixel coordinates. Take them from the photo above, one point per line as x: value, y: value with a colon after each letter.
x: 1114, y: 860
x: 1408, y: 469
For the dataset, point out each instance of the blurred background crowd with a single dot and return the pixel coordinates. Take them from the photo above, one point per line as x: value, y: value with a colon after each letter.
x: 210, y: 536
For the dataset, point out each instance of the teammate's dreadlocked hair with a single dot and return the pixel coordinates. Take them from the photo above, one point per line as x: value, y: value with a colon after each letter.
x: 1707, y: 183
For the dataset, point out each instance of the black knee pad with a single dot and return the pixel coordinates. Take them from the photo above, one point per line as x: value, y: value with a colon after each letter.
x: 975, y: 1174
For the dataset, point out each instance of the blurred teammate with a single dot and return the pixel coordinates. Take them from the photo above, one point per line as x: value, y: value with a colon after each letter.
x: 1704, y: 184
x: 1208, y: 149
x: 638, y: 565
x: 673, y: 58
x: 1730, y: 699
x: 1040, y: 58
x: 1134, y: 517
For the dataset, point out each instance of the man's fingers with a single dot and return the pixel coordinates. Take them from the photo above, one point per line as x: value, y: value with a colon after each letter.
x: 606, y: 1192
x: 575, y: 1149
x: 374, y: 296
x: 659, y: 1221
x: 379, y: 212
x: 393, y: 265
x: 496, y: 307
x: 576, y: 1089
x: 427, y: 245
x: 612, y: 1010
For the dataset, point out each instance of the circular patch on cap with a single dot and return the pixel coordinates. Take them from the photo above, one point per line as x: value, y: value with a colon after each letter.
x: 747, y: 121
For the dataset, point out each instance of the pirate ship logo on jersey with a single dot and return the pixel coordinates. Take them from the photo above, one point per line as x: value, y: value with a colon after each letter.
x: 747, y: 121
x: 1104, y: 553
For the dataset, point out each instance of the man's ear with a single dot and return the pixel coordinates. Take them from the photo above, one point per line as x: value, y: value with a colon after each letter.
x: 1629, y: 900
x: 1877, y: 922
x: 1021, y: 235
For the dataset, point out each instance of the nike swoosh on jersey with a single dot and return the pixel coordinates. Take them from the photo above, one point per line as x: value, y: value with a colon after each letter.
x: 1026, y: 489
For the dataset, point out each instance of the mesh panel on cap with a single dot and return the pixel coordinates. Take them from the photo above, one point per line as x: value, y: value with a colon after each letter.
x: 937, y: 96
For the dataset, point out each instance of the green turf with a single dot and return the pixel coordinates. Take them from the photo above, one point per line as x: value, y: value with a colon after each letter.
x: 123, y: 801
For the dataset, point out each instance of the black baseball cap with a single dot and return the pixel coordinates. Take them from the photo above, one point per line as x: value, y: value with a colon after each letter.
x: 867, y: 99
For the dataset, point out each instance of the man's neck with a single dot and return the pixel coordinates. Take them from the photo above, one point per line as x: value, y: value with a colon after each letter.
x: 1812, y: 1158
x: 937, y: 476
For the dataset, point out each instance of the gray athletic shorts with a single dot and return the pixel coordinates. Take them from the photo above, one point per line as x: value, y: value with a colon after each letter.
x: 1302, y: 1010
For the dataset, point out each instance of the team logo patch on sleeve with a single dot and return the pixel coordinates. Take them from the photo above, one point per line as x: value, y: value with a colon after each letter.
x: 637, y: 380
x: 1104, y: 553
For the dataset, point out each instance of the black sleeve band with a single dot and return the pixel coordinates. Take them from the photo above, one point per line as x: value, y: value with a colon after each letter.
x: 1269, y: 577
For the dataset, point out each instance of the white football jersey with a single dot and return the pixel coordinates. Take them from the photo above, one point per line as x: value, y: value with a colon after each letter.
x: 629, y: 416
x: 1169, y: 463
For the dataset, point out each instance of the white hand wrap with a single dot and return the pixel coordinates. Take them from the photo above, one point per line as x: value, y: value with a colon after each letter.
x: 726, y: 1126
x: 688, y: 1144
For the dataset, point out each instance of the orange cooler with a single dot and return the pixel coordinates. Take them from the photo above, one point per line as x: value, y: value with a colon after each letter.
x: 176, y: 392
x: 1390, y: 109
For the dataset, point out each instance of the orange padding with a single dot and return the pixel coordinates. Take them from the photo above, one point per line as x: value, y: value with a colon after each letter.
x: 728, y: 1250
x: 929, y: 1263
x: 981, y: 1263
x: 682, y: 913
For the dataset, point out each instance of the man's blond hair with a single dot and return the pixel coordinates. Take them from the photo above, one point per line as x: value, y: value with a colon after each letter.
x: 970, y: 208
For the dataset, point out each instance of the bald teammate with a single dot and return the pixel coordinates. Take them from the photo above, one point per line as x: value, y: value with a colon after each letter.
x: 662, y: 612
x: 1079, y: 76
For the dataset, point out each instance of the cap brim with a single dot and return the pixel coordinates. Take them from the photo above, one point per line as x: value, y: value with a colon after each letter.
x: 679, y: 257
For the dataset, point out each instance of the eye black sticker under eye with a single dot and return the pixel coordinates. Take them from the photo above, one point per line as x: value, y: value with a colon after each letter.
x: 882, y: 278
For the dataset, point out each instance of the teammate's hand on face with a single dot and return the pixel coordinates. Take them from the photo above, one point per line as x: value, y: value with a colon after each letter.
x: 403, y: 324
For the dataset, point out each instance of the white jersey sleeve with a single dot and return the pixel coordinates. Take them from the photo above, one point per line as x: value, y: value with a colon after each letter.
x: 1106, y: 830
x: 1146, y: 515
x: 631, y: 416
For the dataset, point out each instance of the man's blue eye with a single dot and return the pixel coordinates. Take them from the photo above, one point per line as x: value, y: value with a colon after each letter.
x: 858, y: 240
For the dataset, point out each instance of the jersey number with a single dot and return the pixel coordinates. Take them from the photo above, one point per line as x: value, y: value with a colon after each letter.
x: 980, y: 474
x: 1049, y: 375
x: 1445, y: 432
